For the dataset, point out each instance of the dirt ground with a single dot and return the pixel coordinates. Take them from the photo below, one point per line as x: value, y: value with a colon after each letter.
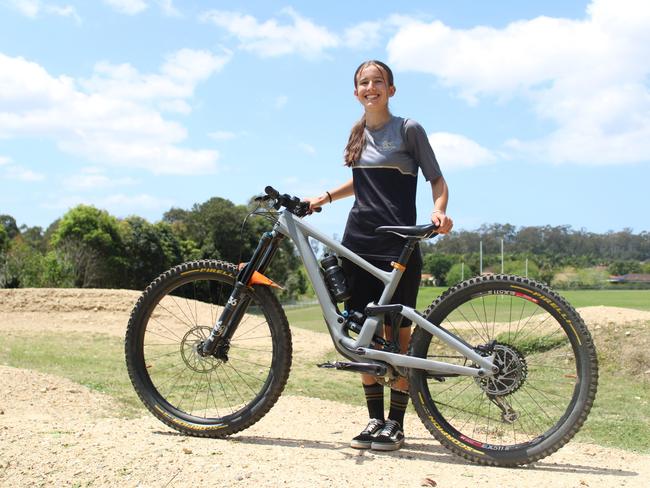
x: 54, y: 432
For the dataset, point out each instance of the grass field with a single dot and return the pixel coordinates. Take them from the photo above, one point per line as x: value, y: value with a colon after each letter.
x: 636, y: 299
x: 311, y: 317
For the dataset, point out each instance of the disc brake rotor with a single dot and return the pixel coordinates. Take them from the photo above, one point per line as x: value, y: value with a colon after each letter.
x: 512, y: 372
x: 190, y: 345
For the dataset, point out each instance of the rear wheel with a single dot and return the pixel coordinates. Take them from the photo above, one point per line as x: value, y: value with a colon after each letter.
x: 547, y: 380
x: 206, y: 396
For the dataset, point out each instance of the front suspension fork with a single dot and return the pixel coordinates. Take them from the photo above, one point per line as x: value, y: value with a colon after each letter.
x: 239, y: 299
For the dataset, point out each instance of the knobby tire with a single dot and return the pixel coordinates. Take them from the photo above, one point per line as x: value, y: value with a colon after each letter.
x: 206, y: 397
x: 548, y: 378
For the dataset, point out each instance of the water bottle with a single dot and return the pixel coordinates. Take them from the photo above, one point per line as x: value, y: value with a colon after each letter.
x: 335, y: 278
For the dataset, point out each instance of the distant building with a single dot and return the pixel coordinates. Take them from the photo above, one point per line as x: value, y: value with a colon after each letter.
x: 630, y: 278
x: 427, y: 280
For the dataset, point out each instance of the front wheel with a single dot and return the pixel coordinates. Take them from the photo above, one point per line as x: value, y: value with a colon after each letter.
x: 547, y: 380
x: 210, y: 396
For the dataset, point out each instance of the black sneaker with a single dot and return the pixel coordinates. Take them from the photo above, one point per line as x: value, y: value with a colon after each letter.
x: 390, y: 438
x: 367, y: 435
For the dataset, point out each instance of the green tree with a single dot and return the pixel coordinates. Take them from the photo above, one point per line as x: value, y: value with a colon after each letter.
x: 295, y: 285
x: 4, y: 240
x: 171, y: 245
x: 9, y: 225
x: 518, y: 267
x: 454, y: 274
x: 624, y: 267
x: 214, y: 228
x: 90, y: 241
x: 34, y: 237
x: 22, y: 265
x: 144, y: 255
x: 438, y: 265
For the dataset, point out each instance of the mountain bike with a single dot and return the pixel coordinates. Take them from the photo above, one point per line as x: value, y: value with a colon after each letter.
x: 501, y: 369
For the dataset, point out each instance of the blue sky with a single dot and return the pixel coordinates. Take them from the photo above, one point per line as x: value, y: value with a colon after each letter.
x: 539, y: 112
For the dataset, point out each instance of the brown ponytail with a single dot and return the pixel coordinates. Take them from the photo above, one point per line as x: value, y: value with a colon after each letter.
x: 356, y: 142
x: 357, y: 139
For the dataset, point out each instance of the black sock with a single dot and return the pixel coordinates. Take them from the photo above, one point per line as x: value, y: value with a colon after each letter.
x: 375, y: 400
x: 398, y: 403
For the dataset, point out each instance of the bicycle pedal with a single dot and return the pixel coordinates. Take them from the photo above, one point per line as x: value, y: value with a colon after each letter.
x: 368, y: 368
x: 327, y: 365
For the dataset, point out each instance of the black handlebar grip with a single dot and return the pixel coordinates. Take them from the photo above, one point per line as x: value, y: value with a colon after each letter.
x: 272, y: 192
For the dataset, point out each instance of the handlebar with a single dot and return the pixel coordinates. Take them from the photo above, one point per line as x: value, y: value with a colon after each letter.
x: 292, y: 204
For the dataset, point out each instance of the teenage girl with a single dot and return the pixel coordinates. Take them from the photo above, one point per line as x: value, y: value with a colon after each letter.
x: 384, y: 152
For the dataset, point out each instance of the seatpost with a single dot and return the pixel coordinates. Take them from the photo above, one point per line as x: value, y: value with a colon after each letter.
x: 407, y: 250
x: 396, y: 319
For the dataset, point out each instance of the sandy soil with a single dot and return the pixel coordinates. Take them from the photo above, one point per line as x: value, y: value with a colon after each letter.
x: 56, y: 433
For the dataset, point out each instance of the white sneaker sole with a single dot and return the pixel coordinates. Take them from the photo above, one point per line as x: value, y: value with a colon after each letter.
x: 360, y: 444
x: 381, y: 446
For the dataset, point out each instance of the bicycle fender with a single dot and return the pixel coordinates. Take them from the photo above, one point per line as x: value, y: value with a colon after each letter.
x: 259, y: 279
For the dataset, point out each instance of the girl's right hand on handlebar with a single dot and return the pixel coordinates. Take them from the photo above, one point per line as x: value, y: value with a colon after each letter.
x: 315, y: 203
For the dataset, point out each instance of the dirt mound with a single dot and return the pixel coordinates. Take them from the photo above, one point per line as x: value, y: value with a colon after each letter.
x: 62, y: 310
x: 601, y: 315
x: 67, y: 300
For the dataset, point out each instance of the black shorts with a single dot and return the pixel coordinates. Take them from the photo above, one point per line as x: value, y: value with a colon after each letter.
x: 365, y: 288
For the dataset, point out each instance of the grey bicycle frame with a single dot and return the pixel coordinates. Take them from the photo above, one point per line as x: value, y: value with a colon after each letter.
x: 359, y: 350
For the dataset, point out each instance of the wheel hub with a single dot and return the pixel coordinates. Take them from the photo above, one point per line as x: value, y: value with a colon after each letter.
x: 512, y: 371
x: 191, y: 347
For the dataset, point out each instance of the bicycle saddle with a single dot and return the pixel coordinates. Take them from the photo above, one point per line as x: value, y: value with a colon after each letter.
x: 410, y: 231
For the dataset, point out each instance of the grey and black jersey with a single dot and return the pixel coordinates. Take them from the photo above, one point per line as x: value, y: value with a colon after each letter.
x: 385, y: 183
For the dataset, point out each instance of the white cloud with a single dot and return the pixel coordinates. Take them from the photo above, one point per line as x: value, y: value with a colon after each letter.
x: 115, y: 126
x: 28, y: 8
x: 167, y: 6
x: 11, y: 171
x: 589, y: 77
x: 179, y: 75
x: 455, y: 151
x: 366, y: 35
x: 175, y: 106
x: 274, y: 37
x: 134, y: 7
x: 128, y: 7
x: 94, y: 179
x: 32, y: 8
x: 291, y: 33
x: 307, y: 148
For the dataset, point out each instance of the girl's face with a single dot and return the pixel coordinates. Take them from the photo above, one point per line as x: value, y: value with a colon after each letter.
x: 372, y: 89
